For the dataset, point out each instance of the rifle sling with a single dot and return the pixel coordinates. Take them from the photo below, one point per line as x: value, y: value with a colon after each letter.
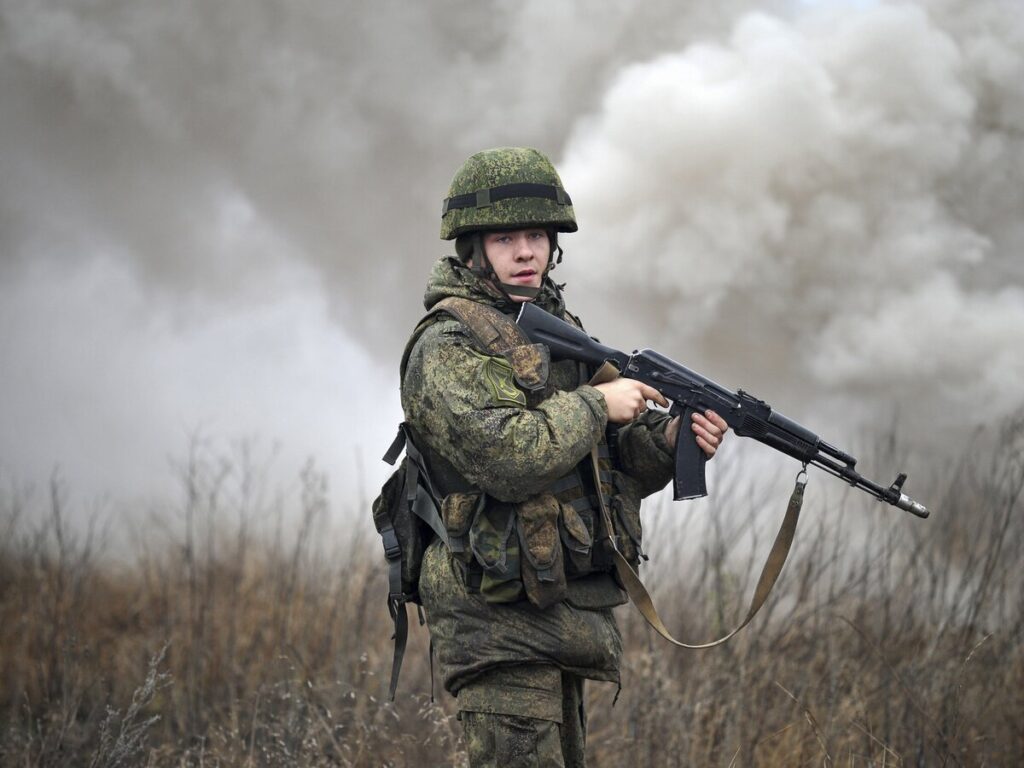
x: 769, y: 574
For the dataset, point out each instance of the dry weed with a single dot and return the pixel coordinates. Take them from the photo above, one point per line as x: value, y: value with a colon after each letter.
x: 230, y: 638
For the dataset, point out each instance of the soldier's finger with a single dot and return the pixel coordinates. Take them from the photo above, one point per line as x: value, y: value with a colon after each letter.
x: 706, y: 446
x: 650, y: 393
x: 702, y: 420
x: 709, y: 437
x: 707, y: 425
x: 717, y: 420
x: 718, y: 429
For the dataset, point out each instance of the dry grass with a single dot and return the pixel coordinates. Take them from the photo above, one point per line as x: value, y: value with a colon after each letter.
x: 224, y: 641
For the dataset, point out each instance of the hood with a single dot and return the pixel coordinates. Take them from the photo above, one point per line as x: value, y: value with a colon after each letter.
x: 450, y: 277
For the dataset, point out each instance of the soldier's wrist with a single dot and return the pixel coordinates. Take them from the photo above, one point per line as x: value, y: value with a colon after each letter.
x: 596, y: 402
x: 660, y: 439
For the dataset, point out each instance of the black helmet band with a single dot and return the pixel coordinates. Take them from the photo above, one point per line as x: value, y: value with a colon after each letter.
x: 485, y: 197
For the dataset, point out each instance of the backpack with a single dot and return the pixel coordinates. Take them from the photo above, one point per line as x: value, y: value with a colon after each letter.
x: 407, y: 514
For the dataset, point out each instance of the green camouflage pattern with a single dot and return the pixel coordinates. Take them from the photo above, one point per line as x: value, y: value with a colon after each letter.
x: 528, y: 715
x: 508, y: 741
x: 645, y: 456
x: 505, y: 449
x: 523, y: 690
x: 513, y: 452
x: 497, y: 167
x: 472, y: 636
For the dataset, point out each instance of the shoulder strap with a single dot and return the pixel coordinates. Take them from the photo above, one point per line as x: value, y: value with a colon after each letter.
x: 495, y: 333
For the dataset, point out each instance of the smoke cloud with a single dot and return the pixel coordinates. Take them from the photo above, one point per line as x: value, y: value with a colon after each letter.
x: 824, y: 204
x: 334, y: 127
x: 222, y: 215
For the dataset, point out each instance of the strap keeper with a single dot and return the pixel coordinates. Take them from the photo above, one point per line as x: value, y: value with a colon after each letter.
x: 560, y: 197
x: 392, y: 549
x: 483, y: 198
x: 397, y: 445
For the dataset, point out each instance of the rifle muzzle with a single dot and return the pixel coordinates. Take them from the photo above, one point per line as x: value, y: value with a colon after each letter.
x: 911, y: 506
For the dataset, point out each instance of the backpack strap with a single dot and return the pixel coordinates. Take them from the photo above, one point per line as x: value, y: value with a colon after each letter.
x: 422, y: 500
x: 419, y: 491
x: 397, y: 446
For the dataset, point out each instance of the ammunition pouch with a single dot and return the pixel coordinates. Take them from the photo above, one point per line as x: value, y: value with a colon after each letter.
x: 542, y: 566
x: 537, y: 549
x: 495, y: 547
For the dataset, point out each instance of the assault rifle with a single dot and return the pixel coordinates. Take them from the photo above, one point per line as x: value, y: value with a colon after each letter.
x: 689, y: 392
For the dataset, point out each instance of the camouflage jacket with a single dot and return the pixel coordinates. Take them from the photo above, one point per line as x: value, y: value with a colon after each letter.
x: 465, y: 406
x: 480, y: 432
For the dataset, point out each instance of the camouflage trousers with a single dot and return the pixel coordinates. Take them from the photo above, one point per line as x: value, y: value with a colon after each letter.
x: 517, y: 671
x: 473, y: 638
x: 526, y: 715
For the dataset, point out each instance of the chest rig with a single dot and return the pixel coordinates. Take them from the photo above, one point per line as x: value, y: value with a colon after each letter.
x: 542, y: 549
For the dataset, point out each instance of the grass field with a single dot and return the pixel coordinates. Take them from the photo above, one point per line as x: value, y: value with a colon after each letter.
x: 225, y: 637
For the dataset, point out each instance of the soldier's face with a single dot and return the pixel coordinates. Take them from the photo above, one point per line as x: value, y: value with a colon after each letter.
x: 519, y: 257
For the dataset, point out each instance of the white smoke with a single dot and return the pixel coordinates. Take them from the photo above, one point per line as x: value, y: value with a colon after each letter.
x: 221, y: 215
x: 338, y: 124
x: 114, y: 393
x: 203, y: 205
x: 830, y: 203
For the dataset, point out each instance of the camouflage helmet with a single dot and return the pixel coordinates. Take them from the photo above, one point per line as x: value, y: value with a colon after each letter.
x: 506, y: 188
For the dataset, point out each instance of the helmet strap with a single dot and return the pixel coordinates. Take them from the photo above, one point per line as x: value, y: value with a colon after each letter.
x: 555, y: 257
x: 519, y: 290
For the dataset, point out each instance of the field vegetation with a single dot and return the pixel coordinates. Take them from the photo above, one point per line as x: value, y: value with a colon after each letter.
x: 235, y: 633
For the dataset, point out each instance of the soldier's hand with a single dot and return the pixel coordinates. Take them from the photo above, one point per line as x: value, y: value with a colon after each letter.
x: 627, y: 398
x: 708, y: 429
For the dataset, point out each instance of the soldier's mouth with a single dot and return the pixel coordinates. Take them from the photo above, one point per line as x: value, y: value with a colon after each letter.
x: 525, y: 273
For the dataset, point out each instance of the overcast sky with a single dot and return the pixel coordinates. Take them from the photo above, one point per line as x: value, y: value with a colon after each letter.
x: 218, y: 217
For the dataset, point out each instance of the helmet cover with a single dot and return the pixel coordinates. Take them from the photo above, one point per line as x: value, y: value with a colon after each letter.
x: 506, y: 188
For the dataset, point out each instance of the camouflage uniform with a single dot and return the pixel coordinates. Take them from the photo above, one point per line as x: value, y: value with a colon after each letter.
x: 518, y: 669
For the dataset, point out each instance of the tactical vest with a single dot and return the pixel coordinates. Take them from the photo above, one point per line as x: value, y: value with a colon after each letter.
x: 548, y: 548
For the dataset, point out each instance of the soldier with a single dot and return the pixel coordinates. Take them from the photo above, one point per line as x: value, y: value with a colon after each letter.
x: 519, y: 602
